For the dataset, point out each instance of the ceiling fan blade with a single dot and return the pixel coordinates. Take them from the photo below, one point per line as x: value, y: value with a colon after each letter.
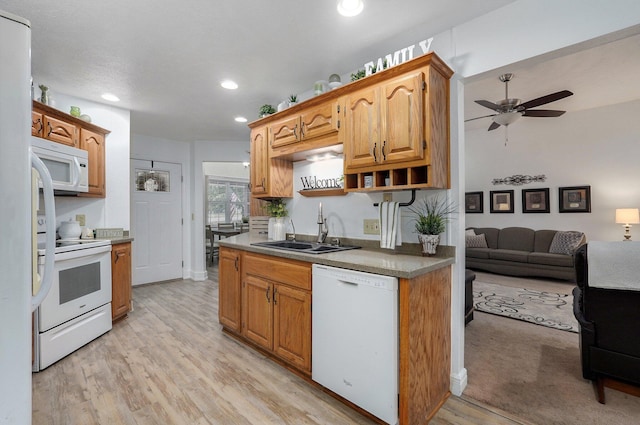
x: 493, y: 126
x: 488, y: 104
x: 542, y: 113
x: 477, y: 118
x: 544, y: 99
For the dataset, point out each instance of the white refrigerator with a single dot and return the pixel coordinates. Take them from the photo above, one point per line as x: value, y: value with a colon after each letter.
x: 15, y: 220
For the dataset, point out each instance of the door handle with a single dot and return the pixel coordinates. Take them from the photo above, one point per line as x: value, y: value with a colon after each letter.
x: 236, y: 263
x: 375, y: 158
x: 275, y: 292
x: 384, y: 156
x: 267, y: 294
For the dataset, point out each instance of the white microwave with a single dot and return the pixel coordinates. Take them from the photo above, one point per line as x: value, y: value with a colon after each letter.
x: 68, y: 166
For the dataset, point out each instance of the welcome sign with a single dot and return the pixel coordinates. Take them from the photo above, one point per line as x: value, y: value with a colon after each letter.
x: 313, y: 182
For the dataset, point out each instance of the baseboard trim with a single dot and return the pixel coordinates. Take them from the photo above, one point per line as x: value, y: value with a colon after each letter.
x: 199, y: 276
x: 458, y: 382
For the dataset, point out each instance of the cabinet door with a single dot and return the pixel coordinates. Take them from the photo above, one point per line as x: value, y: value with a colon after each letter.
x: 292, y: 326
x: 402, y: 124
x: 285, y: 132
x: 93, y: 143
x: 361, y: 144
x: 120, y: 280
x: 257, y: 311
x: 37, y: 124
x: 259, y: 161
x: 229, y: 294
x: 60, y: 131
x: 319, y: 121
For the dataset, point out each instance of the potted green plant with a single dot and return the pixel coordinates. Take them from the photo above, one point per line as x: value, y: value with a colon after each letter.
x: 293, y: 99
x: 277, y: 210
x: 431, y: 217
x: 266, y: 109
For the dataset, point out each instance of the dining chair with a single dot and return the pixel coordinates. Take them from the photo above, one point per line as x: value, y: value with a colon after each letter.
x: 211, y: 248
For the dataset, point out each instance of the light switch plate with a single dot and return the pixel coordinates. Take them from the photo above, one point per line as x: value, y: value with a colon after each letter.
x: 80, y: 218
x: 371, y: 226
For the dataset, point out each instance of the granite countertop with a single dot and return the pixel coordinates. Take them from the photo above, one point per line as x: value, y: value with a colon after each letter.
x: 378, y: 261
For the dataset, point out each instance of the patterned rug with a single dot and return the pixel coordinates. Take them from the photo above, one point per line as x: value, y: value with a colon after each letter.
x: 542, y: 308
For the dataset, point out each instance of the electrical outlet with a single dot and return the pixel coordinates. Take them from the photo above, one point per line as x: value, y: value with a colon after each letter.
x: 387, y: 196
x: 80, y: 218
x: 371, y: 226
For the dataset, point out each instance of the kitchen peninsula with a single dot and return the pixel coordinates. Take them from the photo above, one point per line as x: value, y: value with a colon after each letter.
x: 250, y: 275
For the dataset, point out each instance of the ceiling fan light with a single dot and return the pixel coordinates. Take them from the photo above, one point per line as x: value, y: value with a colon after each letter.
x: 507, y: 118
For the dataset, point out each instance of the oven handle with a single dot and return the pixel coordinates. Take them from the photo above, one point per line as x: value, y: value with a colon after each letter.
x: 50, y: 217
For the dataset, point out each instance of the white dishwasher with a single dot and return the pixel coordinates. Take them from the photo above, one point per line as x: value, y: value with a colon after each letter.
x: 355, y: 338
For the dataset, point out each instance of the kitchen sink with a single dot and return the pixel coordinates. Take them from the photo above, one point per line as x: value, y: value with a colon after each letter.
x: 306, y: 247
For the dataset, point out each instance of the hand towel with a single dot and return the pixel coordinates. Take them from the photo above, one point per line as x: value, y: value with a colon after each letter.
x: 390, y: 232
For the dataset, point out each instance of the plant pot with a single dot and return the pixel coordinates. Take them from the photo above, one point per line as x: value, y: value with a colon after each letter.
x: 429, y: 244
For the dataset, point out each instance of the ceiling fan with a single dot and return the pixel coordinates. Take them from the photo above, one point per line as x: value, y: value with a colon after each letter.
x: 509, y: 110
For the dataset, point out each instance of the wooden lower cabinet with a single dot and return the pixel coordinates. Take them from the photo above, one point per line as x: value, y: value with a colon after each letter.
x: 275, y: 306
x: 276, y: 316
x: 120, y: 280
x: 229, y: 283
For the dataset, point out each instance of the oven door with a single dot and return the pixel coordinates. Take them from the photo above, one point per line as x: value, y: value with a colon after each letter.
x: 81, y: 283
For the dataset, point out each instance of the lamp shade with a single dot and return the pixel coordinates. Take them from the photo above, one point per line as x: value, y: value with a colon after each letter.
x: 627, y: 216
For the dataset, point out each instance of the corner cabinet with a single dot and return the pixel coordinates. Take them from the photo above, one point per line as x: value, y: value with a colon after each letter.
x: 120, y: 280
x: 52, y: 124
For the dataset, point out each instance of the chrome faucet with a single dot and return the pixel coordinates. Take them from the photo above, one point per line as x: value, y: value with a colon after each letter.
x: 322, y: 226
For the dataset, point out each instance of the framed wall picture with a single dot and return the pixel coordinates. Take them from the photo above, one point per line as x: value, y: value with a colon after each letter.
x: 473, y: 202
x: 535, y: 200
x: 501, y: 201
x: 575, y: 199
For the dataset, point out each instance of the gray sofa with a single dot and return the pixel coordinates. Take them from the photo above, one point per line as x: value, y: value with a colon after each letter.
x: 519, y: 251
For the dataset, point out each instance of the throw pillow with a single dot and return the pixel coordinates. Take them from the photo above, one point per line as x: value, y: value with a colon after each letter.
x: 476, y: 241
x: 565, y: 242
x: 470, y: 232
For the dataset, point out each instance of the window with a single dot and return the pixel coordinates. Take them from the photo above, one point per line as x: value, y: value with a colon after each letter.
x: 227, y: 200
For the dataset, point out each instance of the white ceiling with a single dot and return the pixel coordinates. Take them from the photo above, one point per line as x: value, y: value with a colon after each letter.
x: 165, y: 60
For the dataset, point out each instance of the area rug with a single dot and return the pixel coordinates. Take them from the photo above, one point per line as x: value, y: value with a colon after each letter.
x: 549, y: 309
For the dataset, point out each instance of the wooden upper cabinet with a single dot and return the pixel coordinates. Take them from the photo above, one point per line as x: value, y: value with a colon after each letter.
x: 60, y: 131
x: 285, y: 131
x: 362, y: 128
x: 384, y: 123
x: 402, y: 125
x: 52, y: 124
x: 37, y: 124
x: 313, y: 122
x: 94, y: 144
x: 259, y: 161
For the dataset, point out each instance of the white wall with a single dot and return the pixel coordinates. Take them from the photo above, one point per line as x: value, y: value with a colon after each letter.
x: 596, y: 147
x: 113, y: 210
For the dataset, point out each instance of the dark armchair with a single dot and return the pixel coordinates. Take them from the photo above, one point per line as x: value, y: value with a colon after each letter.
x: 609, y: 319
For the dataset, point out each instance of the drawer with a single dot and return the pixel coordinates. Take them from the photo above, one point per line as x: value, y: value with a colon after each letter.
x: 281, y: 270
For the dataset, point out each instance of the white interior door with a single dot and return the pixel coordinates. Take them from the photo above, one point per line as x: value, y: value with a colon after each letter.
x: 157, y: 221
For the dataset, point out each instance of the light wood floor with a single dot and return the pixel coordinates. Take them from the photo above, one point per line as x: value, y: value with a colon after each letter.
x: 169, y: 363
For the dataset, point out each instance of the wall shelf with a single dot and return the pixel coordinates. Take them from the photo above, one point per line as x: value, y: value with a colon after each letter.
x: 334, y: 191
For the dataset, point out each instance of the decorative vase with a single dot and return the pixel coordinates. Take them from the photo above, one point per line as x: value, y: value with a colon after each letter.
x: 429, y: 244
x: 44, y: 97
x: 277, y: 229
x: 75, y: 111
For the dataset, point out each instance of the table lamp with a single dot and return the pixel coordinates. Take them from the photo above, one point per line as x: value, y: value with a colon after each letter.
x: 627, y: 216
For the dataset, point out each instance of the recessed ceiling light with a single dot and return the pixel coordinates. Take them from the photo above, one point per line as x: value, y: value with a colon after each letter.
x: 229, y: 85
x: 240, y: 119
x: 110, y: 97
x: 350, y: 7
